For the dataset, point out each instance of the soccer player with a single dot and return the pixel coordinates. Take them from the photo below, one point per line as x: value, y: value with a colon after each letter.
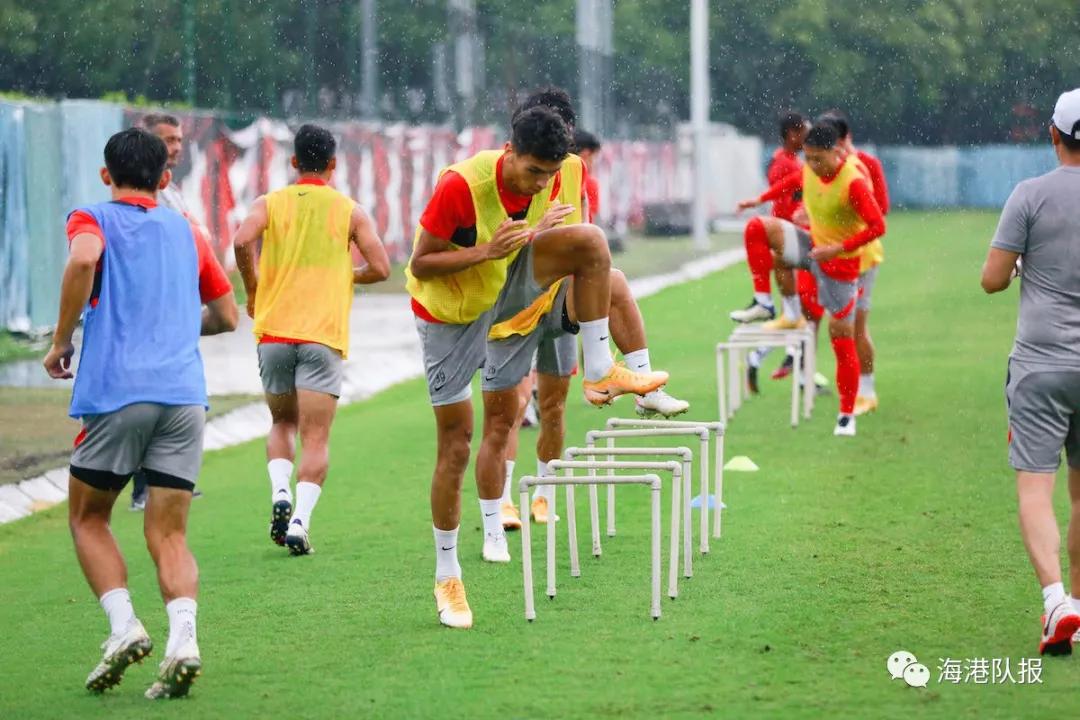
x: 139, y: 276
x: 1040, y: 225
x: 486, y: 212
x: 300, y: 299
x: 873, y: 255
x: 843, y: 218
x: 167, y: 127
x: 785, y: 161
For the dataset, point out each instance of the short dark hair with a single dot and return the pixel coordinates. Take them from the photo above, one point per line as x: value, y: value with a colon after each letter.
x: 585, y: 140
x: 136, y: 159
x: 838, y: 120
x: 540, y: 132
x: 822, y: 135
x: 789, y: 121
x: 1069, y: 139
x: 314, y: 147
x: 152, y: 120
x: 553, y: 98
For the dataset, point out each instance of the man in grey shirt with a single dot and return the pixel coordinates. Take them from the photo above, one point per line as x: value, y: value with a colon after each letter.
x: 1038, y: 239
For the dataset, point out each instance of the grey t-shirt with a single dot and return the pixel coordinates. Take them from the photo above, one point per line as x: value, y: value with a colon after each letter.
x: 1041, y: 221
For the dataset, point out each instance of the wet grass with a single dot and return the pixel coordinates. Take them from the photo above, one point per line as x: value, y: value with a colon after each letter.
x: 835, y: 554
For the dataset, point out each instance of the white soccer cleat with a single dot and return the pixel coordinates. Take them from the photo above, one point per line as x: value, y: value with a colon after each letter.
x: 496, y: 548
x: 297, y: 539
x: 845, y: 426
x: 121, y: 651
x: 659, y: 402
x: 754, y: 312
x: 1060, y: 627
x: 451, y: 603
x: 177, y: 672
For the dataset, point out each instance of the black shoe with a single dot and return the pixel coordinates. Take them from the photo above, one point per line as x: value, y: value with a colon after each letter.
x: 139, y: 496
x: 279, y: 521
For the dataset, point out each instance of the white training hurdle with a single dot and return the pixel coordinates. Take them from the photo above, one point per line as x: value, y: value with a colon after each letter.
x: 654, y: 484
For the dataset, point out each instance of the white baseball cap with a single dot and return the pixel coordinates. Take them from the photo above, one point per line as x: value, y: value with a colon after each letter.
x: 1067, y: 114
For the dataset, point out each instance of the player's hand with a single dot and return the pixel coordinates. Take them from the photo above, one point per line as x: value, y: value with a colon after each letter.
x: 823, y: 253
x: 510, y: 236
x: 747, y: 204
x: 58, y: 362
x: 800, y: 218
x: 554, y: 216
x: 251, y: 303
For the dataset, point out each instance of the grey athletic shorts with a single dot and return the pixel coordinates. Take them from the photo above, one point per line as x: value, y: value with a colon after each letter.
x: 452, y: 355
x: 554, y: 343
x: 1044, y: 417
x: 867, y: 280
x: 285, y: 367
x: 836, y: 296
x: 166, y: 441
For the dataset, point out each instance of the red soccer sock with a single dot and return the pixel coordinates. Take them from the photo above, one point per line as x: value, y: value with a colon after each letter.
x: 758, y: 255
x: 847, y: 372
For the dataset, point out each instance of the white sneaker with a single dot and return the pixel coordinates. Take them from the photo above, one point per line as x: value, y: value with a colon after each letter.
x: 845, y: 426
x: 659, y: 402
x: 754, y: 312
x: 1060, y: 628
x: 177, y: 672
x: 297, y: 539
x: 121, y: 651
x: 496, y: 548
x: 532, y: 417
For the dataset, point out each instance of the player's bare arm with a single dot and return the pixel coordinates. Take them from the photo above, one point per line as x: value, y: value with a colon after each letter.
x: 434, y: 256
x: 75, y: 289
x: 244, y: 248
x: 1000, y: 268
x: 362, y: 234
x: 220, y: 315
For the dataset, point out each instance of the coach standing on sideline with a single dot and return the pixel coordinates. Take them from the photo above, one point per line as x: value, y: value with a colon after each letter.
x: 1038, y: 238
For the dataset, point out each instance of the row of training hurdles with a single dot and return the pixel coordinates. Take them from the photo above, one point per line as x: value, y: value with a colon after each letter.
x: 680, y: 471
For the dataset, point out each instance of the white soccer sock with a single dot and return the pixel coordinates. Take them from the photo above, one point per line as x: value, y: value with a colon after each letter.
x: 1076, y: 603
x: 508, y: 484
x: 1053, y: 594
x: 792, y: 307
x: 307, y: 495
x: 866, y: 385
x: 117, y: 606
x: 544, y: 491
x: 280, y: 471
x: 763, y: 298
x: 490, y: 510
x: 638, y: 360
x: 181, y: 623
x: 594, y: 344
x: 446, y: 560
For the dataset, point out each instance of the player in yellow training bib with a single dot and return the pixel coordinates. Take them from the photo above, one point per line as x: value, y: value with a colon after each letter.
x: 300, y: 298
x: 491, y: 210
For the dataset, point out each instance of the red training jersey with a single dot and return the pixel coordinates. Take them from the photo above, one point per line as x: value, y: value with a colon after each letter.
x: 784, y: 163
x: 877, y: 179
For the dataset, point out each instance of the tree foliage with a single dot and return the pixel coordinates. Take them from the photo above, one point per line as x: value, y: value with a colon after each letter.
x: 921, y: 71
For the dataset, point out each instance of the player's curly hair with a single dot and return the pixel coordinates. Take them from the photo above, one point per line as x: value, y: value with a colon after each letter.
x: 540, y: 132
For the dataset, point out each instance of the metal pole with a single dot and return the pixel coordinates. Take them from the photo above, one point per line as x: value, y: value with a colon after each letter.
x: 699, y: 113
x: 187, y: 25
x: 369, y: 54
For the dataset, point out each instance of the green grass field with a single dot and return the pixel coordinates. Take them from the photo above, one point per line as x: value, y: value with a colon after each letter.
x: 835, y: 555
